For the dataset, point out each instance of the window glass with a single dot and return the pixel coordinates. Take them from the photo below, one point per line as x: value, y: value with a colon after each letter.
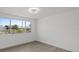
x: 4, y: 25
x: 14, y: 26
x: 28, y: 26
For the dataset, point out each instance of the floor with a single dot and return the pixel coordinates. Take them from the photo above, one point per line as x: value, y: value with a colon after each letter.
x: 34, y: 47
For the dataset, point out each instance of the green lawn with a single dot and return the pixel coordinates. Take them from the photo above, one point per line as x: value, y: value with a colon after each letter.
x: 20, y: 30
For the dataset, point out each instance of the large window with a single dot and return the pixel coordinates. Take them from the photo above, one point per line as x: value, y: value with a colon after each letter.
x: 14, y: 26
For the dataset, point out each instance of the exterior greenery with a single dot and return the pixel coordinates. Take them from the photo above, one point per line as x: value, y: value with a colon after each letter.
x: 15, y: 28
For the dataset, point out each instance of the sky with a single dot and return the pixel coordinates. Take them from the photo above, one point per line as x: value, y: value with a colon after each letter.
x: 5, y: 21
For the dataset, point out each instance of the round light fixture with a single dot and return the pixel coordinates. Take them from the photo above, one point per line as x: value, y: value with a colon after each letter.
x: 33, y: 10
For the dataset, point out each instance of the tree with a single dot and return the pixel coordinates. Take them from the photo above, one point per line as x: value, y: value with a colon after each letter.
x: 15, y: 27
x: 7, y: 28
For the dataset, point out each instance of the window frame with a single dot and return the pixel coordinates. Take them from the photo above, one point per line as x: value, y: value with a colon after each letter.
x: 23, y: 20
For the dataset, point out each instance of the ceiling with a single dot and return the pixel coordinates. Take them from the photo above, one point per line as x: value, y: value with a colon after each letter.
x: 44, y: 11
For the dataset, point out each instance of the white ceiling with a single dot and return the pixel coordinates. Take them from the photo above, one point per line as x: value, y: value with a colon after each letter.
x: 44, y: 11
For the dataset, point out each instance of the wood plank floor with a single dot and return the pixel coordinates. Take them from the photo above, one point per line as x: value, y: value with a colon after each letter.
x: 34, y: 47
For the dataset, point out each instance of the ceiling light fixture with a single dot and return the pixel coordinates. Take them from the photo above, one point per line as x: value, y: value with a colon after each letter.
x: 33, y: 10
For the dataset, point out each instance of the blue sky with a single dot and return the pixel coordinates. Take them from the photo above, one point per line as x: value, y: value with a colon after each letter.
x: 6, y: 21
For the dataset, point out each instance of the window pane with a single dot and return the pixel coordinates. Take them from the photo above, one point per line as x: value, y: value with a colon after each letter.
x: 17, y: 26
x: 4, y: 25
x: 14, y: 26
x: 23, y: 24
x: 28, y: 26
x: 16, y: 22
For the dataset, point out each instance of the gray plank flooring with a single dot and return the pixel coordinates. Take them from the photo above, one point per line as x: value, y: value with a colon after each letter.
x: 34, y: 47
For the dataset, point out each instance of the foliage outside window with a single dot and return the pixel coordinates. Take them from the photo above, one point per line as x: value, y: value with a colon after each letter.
x: 14, y: 26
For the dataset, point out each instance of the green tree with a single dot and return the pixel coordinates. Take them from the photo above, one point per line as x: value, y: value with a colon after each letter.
x: 15, y: 27
x: 7, y: 28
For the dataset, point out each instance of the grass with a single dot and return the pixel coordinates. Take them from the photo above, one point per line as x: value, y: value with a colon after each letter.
x: 20, y: 30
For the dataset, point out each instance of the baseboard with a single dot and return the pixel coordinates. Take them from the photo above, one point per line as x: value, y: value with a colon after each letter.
x: 53, y: 45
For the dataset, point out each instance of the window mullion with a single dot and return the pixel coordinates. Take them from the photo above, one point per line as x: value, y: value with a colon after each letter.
x: 25, y: 26
x: 10, y: 26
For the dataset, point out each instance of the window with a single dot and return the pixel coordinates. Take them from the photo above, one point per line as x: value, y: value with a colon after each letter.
x: 14, y: 26
x: 28, y: 26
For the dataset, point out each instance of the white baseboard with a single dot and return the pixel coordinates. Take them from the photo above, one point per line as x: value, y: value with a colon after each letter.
x: 43, y: 41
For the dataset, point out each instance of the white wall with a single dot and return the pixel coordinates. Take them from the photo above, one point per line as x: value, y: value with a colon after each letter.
x: 8, y: 40
x: 60, y: 30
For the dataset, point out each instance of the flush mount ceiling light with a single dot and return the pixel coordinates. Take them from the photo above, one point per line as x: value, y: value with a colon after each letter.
x: 33, y: 10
